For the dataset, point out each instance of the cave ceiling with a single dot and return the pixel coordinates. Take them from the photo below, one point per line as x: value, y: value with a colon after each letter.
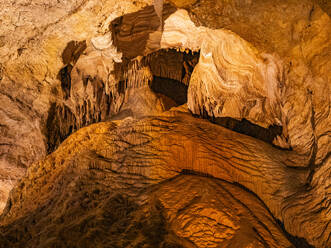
x: 182, y: 123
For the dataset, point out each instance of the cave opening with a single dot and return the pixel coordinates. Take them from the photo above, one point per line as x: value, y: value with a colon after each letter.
x: 166, y: 73
x: 246, y: 127
x: 170, y: 72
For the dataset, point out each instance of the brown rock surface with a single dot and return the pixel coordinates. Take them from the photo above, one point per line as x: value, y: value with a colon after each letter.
x: 132, y: 154
x: 128, y: 158
x: 260, y: 72
x: 289, y: 52
x: 186, y: 211
x: 33, y: 35
x: 260, y: 68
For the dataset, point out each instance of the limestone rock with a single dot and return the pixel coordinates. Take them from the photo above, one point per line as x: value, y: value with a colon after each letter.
x: 130, y: 155
x: 257, y: 67
x: 134, y: 158
x: 33, y: 36
x: 246, y: 79
x: 295, y: 52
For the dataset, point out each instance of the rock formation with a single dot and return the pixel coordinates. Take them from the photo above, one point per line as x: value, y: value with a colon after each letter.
x: 93, y: 106
x: 33, y: 37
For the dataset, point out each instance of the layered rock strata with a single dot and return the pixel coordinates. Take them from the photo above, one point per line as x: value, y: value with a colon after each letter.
x: 261, y: 63
x: 130, y: 155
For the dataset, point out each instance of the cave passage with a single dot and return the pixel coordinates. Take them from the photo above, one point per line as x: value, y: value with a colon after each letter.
x: 170, y: 88
x: 170, y: 72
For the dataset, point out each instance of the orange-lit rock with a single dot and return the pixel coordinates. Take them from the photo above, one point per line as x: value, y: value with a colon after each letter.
x: 146, y: 176
x: 131, y: 154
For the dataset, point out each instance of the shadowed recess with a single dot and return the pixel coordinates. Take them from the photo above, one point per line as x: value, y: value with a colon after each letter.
x: 246, y: 127
x: 168, y: 75
x: 70, y: 56
x: 170, y: 88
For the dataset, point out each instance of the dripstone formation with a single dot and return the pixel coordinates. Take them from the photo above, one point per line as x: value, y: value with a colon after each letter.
x: 165, y: 123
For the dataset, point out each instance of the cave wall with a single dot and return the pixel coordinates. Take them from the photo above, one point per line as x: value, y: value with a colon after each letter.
x: 52, y: 34
x: 33, y: 36
x: 262, y: 61
x: 300, y: 41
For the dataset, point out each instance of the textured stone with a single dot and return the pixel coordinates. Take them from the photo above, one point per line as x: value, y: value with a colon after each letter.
x: 257, y: 67
x: 132, y: 154
x: 34, y: 35
x: 293, y: 43
x: 196, y: 209
x: 187, y: 211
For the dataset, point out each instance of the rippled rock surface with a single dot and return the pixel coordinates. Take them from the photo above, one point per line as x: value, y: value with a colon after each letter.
x: 158, y: 123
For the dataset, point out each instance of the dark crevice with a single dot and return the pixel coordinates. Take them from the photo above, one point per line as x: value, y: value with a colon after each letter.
x: 70, y: 56
x: 173, y: 64
x: 73, y: 51
x: 260, y: 238
x: 196, y: 173
x: 296, y: 241
x: 1, y: 72
x: 172, y: 72
x: 170, y: 88
x: 65, y: 77
x: 61, y: 122
x: 248, y: 128
x: 313, y: 167
x: 245, y: 127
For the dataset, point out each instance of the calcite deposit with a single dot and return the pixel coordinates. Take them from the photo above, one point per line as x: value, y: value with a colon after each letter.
x: 165, y: 123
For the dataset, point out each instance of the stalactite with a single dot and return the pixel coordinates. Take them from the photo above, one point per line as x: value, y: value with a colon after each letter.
x: 100, y: 97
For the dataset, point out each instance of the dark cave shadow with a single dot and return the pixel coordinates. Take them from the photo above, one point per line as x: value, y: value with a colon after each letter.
x: 171, y: 88
x: 60, y: 123
x: 248, y: 128
x: 70, y: 56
